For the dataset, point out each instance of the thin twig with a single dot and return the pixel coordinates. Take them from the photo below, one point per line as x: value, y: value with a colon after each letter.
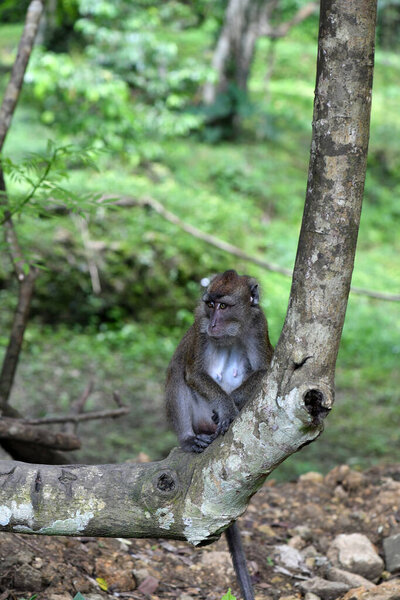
x: 77, y: 408
x: 82, y: 226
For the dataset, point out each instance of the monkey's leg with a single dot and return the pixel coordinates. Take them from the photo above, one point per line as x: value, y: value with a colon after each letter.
x: 239, y: 561
x: 192, y: 421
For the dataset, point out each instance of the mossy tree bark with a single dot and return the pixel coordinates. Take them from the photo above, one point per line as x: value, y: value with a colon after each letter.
x: 194, y: 497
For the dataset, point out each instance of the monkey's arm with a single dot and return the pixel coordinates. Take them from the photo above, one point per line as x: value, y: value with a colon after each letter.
x: 220, y: 402
x: 248, y: 389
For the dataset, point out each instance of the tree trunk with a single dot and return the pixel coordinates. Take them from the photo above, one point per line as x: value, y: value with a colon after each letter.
x: 235, y: 47
x: 195, y: 497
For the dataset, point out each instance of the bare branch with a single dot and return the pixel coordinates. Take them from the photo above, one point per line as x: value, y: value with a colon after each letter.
x: 82, y: 226
x: 267, y: 30
x: 197, y: 233
x: 11, y: 357
x: 14, y: 86
x: 212, y: 240
x: 78, y: 405
x: 16, y: 429
x: 77, y: 408
x: 89, y: 416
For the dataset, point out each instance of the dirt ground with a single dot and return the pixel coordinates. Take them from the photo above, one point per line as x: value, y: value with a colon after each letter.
x: 305, y: 515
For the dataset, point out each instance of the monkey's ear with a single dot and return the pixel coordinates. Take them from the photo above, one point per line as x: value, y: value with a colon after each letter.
x: 254, y: 293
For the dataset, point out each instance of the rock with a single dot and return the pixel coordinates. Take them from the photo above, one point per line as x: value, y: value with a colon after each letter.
x: 355, y: 553
x: 309, y: 551
x: 354, y: 480
x: 311, y: 596
x: 289, y: 557
x: 117, y: 578
x: 336, y: 475
x: 326, y: 590
x: 311, y: 477
x: 216, y: 559
x: 297, y: 542
x: 25, y: 557
x: 352, y: 579
x: 96, y: 596
x: 267, y: 530
x: 391, y: 547
x: 64, y: 596
x: 140, y: 574
x: 340, y: 492
x: 304, y: 532
x: 390, y: 590
x: 389, y: 493
x: 148, y: 585
x: 27, y: 578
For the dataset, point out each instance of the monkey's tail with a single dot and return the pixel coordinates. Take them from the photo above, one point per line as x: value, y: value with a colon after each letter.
x: 239, y: 561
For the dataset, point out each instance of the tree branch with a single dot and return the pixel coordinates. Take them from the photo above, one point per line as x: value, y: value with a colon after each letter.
x: 11, y: 357
x: 195, y: 496
x: 268, y: 30
x: 78, y: 418
x: 23, y: 431
x: 25, y: 273
x: 14, y: 86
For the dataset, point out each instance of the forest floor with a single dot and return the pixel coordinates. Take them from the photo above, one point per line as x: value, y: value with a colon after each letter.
x: 287, y: 532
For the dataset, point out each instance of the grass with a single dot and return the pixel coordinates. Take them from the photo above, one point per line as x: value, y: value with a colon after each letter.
x: 249, y: 193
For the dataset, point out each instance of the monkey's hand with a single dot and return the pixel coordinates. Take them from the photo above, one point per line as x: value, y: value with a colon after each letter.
x: 197, y: 443
x: 223, y: 420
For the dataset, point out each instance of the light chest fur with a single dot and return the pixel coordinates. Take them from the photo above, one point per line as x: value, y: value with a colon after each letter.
x: 229, y: 367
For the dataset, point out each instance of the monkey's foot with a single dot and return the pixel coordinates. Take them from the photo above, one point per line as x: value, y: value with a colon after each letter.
x: 197, y: 443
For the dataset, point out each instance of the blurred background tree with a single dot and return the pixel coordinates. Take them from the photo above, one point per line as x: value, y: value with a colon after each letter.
x: 117, y: 286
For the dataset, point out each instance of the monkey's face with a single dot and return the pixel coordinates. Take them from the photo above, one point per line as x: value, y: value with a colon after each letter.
x: 221, y: 318
x: 226, y: 307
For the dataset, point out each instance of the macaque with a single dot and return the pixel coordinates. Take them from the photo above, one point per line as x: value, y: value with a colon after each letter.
x: 218, y: 367
x: 220, y: 362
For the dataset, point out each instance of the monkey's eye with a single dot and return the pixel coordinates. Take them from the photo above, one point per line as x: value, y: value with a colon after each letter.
x: 210, y: 304
x: 222, y: 305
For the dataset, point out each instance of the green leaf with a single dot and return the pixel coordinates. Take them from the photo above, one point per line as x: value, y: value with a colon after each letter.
x: 102, y: 583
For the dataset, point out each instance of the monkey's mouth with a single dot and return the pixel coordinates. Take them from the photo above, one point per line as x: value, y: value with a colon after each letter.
x: 218, y: 333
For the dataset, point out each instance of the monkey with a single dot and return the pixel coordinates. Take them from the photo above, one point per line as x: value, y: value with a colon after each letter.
x: 216, y: 369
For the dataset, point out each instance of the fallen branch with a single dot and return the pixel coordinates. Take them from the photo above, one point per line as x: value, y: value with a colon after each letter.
x: 23, y: 431
x: 78, y: 418
x: 212, y: 240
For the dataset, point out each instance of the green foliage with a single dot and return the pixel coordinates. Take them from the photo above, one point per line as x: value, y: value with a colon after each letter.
x: 129, y: 88
x: 249, y: 193
x: 37, y: 182
x: 12, y: 12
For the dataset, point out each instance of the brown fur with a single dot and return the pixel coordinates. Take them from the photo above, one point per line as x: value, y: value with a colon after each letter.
x: 220, y: 362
